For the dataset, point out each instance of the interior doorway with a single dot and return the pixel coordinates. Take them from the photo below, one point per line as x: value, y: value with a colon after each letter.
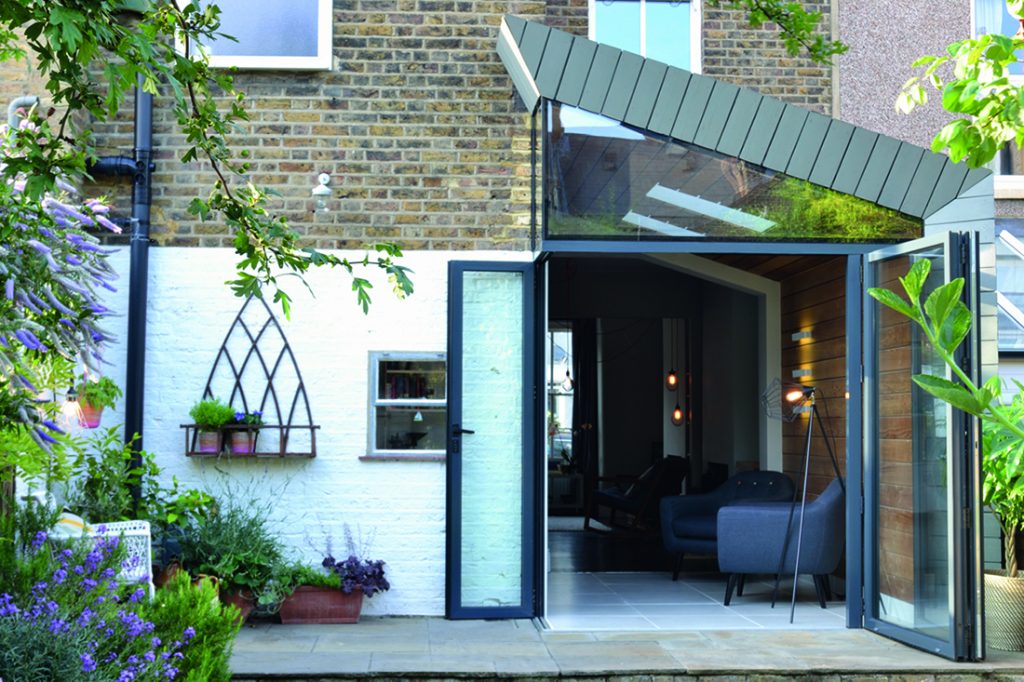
x: 618, y: 328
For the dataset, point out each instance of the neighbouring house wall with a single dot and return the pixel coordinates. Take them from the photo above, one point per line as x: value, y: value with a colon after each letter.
x: 401, y: 505
x: 878, y: 62
x: 815, y: 300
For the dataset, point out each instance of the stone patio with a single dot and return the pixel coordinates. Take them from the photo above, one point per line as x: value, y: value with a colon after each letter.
x: 434, y: 648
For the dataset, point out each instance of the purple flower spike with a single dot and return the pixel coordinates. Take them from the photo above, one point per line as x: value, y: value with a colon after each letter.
x: 9, y: 289
x: 38, y: 246
x: 44, y: 436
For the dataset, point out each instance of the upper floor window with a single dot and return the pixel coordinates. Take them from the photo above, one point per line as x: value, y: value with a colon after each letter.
x: 273, y: 34
x: 658, y: 29
x: 991, y: 16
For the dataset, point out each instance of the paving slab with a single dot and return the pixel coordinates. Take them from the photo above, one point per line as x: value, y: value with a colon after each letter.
x: 384, y: 649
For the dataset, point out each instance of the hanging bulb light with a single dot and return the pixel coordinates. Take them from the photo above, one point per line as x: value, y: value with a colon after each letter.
x: 567, y: 382
x: 71, y: 409
x: 672, y: 380
x: 677, y: 415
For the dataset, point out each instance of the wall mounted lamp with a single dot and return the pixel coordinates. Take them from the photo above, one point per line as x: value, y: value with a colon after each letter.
x: 321, y: 192
x: 802, y: 334
x: 802, y: 372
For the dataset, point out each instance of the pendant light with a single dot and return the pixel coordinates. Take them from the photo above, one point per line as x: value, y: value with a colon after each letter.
x: 672, y: 379
x: 677, y: 415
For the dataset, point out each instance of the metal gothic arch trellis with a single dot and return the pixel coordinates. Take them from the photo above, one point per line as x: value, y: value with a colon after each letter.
x: 282, y: 414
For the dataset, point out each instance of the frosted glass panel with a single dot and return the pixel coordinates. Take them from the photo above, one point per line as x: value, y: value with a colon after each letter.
x: 279, y: 28
x: 492, y: 457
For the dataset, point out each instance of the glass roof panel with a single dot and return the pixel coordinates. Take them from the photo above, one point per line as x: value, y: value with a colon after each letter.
x: 605, y: 180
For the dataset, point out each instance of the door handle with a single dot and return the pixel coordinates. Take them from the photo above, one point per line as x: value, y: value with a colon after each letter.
x: 457, y: 430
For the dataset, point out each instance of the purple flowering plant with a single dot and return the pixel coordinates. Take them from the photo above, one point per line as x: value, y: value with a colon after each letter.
x: 52, y: 274
x: 254, y: 418
x: 80, y: 605
x: 355, y: 572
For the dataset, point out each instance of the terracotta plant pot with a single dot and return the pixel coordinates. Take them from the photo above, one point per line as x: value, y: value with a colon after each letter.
x: 243, y: 442
x: 90, y: 415
x: 243, y: 600
x: 313, y: 605
x: 1004, y: 612
x: 209, y: 441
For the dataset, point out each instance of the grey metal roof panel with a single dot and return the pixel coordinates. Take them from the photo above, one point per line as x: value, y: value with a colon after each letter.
x: 716, y: 113
x: 545, y: 62
x: 620, y: 92
x: 577, y: 67
x: 739, y: 124
x: 552, y: 64
x: 808, y: 146
x: 599, y: 78
x: 762, y: 130
x: 787, y: 134
x: 877, y: 168
x: 648, y: 85
x: 948, y: 186
x: 922, y: 185
x: 666, y: 108
x: 851, y: 169
x: 833, y: 150
x: 531, y: 46
x: 908, y: 157
x: 698, y: 92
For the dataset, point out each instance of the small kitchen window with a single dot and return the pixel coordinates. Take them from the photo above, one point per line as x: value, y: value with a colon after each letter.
x: 409, y: 401
x: 272, y: 34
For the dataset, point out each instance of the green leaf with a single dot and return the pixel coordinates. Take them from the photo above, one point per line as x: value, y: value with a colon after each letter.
x: 940, y: 303
x: 956, y: 329
x: 890, y: 299
x: 954, y: 394
x: 913, y: 282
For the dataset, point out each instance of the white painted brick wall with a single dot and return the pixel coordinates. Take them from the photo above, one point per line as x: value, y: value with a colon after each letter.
x: 400, y: 504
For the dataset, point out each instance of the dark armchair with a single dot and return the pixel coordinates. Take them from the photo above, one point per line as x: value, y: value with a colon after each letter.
x: 751, y: 538
x: 689, y: 523
x: 637, y: 496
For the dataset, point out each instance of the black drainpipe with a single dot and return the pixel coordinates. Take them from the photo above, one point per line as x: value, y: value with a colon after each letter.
x: 141, y: 170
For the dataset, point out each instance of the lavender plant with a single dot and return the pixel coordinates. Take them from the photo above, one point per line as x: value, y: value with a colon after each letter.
x: 83, y: 609
x: 51, y: 270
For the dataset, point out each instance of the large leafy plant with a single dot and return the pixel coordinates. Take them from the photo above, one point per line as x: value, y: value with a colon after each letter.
x: 946, y: 322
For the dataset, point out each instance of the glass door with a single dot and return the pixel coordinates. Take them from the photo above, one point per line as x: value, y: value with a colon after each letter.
x: 491, y: 412
x: 922, y: 561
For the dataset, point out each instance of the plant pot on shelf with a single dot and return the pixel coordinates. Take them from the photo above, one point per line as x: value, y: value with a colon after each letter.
x: 1004, y: 612
x: 90, y: 415
x: 243, y: 599
x: 243, y: 441
x: 209, y: 442
x: 321, y: 605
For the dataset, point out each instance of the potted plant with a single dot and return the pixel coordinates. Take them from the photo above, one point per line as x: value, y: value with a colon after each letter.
x: 244, y: 432
x: 946, y: 322
x: 234, y: 544
x: 210, y: 416
x: 93, y: 396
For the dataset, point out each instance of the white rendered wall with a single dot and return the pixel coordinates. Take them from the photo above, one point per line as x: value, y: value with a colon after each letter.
x: 400, y: 505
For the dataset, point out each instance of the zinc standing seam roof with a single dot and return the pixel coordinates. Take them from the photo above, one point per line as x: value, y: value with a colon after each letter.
x: 546, y: 63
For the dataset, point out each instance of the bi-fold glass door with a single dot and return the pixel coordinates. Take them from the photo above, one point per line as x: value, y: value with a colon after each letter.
x: 922, y: 562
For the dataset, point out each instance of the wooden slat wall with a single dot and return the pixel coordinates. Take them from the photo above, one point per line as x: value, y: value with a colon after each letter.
x: 815, y: 299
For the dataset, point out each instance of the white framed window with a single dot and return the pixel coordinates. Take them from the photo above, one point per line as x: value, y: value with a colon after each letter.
x: 665, y: 30
x: 288, y: 35
x: 408, y: 404
x: 991, y: 16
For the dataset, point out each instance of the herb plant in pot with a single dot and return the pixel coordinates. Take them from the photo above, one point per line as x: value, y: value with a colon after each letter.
x: 93, y: 397
x: 245, y: 429
x: 210, y: 416
x: 946, y: 322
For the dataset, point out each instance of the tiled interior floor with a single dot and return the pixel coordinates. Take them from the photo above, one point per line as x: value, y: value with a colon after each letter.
x: 651, y: 601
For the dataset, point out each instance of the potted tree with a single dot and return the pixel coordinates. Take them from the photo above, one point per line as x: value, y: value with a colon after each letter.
x: 210, y: 416
x: 946, y: 322
x: 93, y: 397
x: 245, y: 429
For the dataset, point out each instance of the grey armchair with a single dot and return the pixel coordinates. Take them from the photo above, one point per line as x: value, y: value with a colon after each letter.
x: 751, y: 538
x: 689, y: 523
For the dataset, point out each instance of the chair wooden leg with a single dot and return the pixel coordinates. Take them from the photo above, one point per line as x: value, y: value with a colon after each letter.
x: 679, y: 567
x: 739, y: 586
x: 729, y: 586
x: 819, y: 588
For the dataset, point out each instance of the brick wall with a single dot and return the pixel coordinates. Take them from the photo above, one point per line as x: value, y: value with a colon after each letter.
x: 757, y: 59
